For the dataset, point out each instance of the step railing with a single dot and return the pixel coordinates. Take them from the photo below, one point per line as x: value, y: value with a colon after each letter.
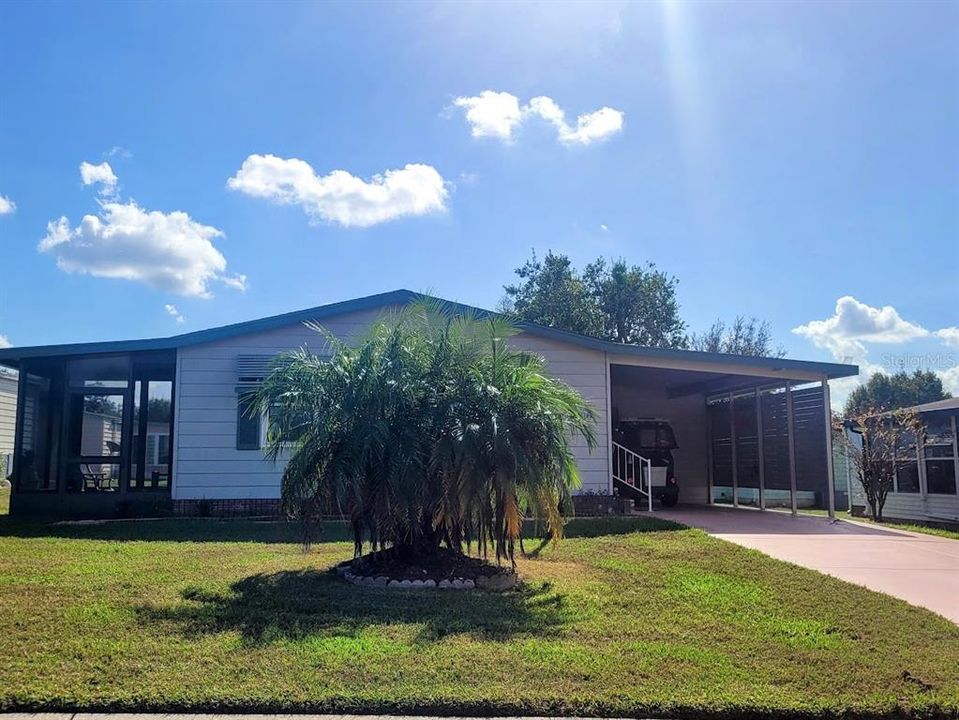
x: 633, y: 470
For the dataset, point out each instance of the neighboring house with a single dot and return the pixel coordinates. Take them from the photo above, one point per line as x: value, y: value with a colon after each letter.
x: 8, y: 414
x: 925, y: 484
x: 750, y: 430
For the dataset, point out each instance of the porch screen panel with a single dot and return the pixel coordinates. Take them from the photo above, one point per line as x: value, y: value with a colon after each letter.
x: 809, y: 429
x: 717, y: 411
x: 747, y: 448
x: 775, y: 446
x: 34, y: 468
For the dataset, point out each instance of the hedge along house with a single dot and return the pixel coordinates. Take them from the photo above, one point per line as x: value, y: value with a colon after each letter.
x: 145, y: 426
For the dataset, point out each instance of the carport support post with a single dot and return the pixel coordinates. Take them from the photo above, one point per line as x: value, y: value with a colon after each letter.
x: 792, y: 448
x: 830, y: 480
x: 759, y: 450
x: 732, y: 450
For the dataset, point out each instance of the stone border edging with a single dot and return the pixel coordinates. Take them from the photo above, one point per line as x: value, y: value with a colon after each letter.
x: 496, y: 583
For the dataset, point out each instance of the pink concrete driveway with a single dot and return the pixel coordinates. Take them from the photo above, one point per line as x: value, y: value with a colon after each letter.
x: 920, y: 569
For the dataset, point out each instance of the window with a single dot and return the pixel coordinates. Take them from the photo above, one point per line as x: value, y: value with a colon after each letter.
x: 289, y: 422
x: 248, y: 422
x: 906, y: 465
x: 940, y: 454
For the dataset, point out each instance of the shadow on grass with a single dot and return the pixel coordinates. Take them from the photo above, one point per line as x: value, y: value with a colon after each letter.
x: 277, y: 531
x: 295, y: 605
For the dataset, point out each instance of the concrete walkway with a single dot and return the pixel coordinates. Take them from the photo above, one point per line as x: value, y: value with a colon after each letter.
x: 920, y: 569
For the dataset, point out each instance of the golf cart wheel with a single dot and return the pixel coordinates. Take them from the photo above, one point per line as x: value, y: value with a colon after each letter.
x: 670, y: 496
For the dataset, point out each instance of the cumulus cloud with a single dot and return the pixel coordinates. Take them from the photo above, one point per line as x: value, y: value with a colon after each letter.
x: 101, y: 175
x: 950, y: 379
x: 174, y: 313
x: 491, y: 114
x: 340, y: 197
x: 949, y: 336
x: 854, y: 323
x: 7, y: 206
x: 168, y: 251
x: 5, y: 342
x: 498, y: 114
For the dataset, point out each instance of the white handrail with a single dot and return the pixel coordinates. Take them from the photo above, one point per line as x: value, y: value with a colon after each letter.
x: 625, y: 462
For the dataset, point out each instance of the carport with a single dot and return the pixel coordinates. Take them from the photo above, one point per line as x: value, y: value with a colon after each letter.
x: 751, y: 432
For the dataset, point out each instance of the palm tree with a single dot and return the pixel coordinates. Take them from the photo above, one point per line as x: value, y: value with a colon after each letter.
x: 430, y: 432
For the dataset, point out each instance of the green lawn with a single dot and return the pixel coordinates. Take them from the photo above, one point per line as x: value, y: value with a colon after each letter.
x: 178, y: 615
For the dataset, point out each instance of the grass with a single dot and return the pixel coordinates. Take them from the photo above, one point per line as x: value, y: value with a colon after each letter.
x: 5, y: 500
x: 626, y: 617
x: 912, y: 527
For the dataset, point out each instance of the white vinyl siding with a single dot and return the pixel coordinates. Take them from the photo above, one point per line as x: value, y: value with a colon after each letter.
x: 8, y: 417
x: 585, y: 370
x: 207, y: 463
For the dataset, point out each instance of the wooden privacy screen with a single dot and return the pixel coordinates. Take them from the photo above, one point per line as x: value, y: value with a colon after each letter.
x: 753, y: 429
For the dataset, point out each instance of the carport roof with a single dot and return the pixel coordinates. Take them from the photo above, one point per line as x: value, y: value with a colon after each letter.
x: 12, y: 356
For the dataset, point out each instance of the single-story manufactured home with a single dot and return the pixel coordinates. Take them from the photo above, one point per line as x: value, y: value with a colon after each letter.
x: 925, y: 484
x: 132, y: 427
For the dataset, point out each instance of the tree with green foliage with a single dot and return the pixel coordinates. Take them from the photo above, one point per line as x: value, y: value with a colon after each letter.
x: 745, y: 336
x: 552, y: 293
x: 891, y: 392
x: 637, y: 304
x: 609, y: 299
x: 430, y: 432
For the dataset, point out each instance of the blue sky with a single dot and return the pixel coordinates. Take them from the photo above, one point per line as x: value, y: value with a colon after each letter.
x: 776, y: 157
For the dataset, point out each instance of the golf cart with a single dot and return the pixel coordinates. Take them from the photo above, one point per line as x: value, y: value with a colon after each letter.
x: 653, y: 439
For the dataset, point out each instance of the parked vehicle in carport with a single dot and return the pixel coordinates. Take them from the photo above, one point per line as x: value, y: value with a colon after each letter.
x: 654, y: 440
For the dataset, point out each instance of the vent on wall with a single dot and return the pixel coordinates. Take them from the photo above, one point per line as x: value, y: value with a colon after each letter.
x: 253, y: 368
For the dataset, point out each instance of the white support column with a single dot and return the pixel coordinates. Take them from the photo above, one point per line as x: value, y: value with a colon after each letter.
x: 792, y: 448
x: 830, y: 479
x: 609, y: 426
x: 955, y: 447
x: 732, y: 450
x: 760, y: 450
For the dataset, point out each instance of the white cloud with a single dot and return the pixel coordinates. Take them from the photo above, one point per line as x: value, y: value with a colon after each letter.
x: 102, y: 175
x: 854, y: 323
x: 340, y: 197
x: 7, y: 206
x: 949, y: 336
x: 174, y: 313
x: 5, y: 342
x: 604, y: 228
x: 491, y: 114
x: 950, y: 379
x: 168, y: 251
x: 498, y: 114
x: 120, y: 152
x: 589, y: 127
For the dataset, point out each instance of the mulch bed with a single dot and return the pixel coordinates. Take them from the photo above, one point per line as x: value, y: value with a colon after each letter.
x: 446, y: 565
